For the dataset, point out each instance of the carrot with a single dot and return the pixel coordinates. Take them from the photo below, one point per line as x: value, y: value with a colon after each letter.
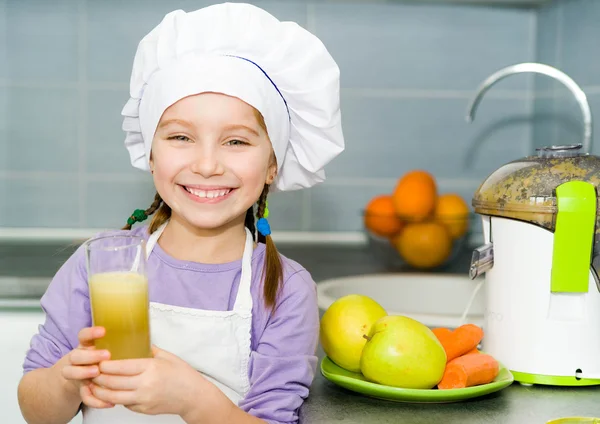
x: 442, y: 333
x: 469, y: 370
x: 462, y: 340
x: 474, y: 350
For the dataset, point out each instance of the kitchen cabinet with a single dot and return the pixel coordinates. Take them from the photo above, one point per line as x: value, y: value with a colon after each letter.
x: 16, y: 329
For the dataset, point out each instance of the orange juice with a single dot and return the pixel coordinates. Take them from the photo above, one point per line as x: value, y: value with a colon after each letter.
x: 119, y: 303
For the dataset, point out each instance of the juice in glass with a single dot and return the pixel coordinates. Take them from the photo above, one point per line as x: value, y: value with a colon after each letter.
x: 118, y: 287
x: 120, y: 305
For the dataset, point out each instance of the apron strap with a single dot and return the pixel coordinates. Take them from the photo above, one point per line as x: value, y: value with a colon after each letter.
x: 243, y: 300
x: 153, y: 239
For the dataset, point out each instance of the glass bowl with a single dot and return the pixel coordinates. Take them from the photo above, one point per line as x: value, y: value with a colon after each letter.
x: 426, y: 244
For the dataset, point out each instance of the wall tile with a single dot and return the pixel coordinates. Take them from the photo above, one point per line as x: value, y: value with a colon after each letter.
x: 548, y: 47
x: 547, y: 33
x: 43, y: 202
x: 3, y: 128
x: 109, y: 203
x: 290, y: 10
x: 339, y: 208
x: 567, y: 27
x: 437, y: 47
x: 569, y: 123
x: 3, y: 41
x: 386, y: 137
x: 547, y: 44
x: 110, y: 53
x: 545, y: 121
x: 595, y: 107
x: 286, y: 210
x: 42, y: 130
x: 42, y: 39
x: 3, y: 204
x: 580, y: 32
x: 105, y: 151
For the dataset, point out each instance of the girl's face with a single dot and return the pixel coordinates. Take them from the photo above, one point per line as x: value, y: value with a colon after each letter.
x: 211, y: 157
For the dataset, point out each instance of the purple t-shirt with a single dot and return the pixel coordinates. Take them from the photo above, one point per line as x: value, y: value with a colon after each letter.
x: 284, y: 340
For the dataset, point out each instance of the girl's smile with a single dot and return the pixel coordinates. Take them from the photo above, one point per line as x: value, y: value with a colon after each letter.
x: 207, y: 194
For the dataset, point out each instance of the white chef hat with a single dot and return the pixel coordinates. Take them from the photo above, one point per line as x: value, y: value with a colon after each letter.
x: 240, y: 50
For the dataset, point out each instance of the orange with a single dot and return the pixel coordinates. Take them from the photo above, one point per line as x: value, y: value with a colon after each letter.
x: 424, y: 244
x: 452, y: 211
x: 415, y: 195
x: 380, y: 217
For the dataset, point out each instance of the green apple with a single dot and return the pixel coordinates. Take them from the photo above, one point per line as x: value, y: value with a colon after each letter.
x: 344, y: 326
x: 402, y: 352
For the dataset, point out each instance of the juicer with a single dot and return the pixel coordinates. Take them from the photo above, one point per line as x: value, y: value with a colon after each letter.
x: 541, y: 256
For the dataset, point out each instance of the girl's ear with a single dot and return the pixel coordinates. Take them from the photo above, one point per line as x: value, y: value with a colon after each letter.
x: 272, y: 170
x: 271, y: 174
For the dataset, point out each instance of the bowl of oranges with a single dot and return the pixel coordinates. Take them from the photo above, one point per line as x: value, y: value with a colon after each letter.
x: 415, y: 224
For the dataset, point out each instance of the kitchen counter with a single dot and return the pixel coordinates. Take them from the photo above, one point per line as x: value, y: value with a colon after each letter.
x: 328, y: 403
x: 516, y: 404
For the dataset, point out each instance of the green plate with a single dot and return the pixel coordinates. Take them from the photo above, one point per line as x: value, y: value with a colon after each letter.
x: 357, y: 383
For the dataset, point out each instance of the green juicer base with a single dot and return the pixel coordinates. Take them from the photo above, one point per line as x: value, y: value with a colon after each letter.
x: 553, y: 380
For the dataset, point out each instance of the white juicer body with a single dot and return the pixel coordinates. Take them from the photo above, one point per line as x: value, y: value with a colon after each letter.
x: 528, y: 328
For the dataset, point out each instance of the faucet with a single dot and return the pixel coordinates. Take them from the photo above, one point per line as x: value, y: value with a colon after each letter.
x: 546, y: 70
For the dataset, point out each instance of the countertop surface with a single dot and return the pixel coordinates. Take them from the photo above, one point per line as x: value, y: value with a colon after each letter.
x: 328, y: 403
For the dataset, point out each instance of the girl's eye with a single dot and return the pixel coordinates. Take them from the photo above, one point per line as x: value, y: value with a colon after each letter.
x: 179, y: 138
x: 236, y: 143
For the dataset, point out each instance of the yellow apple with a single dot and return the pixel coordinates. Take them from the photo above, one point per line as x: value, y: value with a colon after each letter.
x: 344, y: 326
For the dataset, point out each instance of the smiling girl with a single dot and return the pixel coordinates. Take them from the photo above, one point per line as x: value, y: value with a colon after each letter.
x: 227, y: 105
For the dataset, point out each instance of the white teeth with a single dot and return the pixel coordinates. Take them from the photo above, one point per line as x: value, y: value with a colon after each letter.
x: 208, y: 194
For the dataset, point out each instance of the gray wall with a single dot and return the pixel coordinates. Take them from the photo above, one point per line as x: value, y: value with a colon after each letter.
x: 568, y: 33
x: 408, y: 72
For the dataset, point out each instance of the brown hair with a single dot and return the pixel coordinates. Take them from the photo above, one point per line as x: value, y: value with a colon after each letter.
x: 273, y: 270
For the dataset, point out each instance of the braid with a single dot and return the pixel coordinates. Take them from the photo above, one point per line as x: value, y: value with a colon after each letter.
x: 156, y: 204
x: 262, y: 204
x: 273, y: 270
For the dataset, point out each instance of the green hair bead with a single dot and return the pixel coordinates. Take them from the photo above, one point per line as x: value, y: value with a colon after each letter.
x: 138, y: 215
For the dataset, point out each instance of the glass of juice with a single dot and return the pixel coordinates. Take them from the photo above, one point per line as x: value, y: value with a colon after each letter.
x: 118, y: 286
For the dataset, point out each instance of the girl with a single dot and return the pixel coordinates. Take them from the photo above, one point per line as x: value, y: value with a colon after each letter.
x: 227, y: 104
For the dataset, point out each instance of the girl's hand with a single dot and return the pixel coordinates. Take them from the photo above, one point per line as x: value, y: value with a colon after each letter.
x: 82, y: 365
x: 164, y: 384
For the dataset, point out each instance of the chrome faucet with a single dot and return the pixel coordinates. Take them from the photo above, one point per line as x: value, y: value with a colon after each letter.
x: 546, y: 70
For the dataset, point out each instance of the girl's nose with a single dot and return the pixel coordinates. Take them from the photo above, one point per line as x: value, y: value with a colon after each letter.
x: 207, y: 162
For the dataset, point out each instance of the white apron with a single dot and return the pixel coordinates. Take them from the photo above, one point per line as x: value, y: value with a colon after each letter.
x: 216, y: 343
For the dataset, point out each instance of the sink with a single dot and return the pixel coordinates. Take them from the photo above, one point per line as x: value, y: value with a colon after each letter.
x: 436, y: 300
